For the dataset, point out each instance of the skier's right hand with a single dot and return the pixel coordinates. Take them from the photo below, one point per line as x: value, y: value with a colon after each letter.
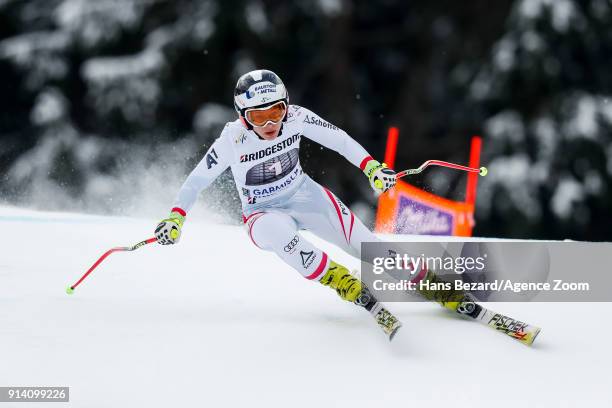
x: 168, y: 231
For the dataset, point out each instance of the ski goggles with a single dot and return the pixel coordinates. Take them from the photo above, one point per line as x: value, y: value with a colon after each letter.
x: 261, y: 116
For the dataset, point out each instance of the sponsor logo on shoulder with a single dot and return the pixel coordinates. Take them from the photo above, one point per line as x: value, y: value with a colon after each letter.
x: 241, y: 138
x: 293, y: 112
x: 211, y: 158
x: 319, y: 122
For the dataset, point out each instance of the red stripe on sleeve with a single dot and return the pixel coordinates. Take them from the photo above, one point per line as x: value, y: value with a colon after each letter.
x: 179, y: 210
x: 364, y: 162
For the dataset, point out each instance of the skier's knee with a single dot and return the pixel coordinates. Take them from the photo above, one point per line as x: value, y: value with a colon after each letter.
x: 268, y: 230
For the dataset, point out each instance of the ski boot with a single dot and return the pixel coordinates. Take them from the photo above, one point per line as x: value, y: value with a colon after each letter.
x: 464, y: 303
x: 353, y: 290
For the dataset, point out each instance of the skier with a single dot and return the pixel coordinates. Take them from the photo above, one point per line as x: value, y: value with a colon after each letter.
x: 278, y: 199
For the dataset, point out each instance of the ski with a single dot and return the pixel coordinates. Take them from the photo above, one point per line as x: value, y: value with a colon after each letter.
x: 465, y: 304
x: 516, y: 329
x: 384, y: 318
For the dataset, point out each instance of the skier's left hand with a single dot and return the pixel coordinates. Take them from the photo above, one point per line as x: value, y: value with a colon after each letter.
x: 381, y: 177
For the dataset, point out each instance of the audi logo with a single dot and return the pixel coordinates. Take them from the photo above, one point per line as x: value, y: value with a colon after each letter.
x: 292, y: 244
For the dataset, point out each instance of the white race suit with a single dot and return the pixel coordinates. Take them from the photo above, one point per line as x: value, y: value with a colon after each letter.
x: 278, y: 199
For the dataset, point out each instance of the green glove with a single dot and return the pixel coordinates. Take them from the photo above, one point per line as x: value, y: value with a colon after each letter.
x: 168, y: 231
x: 381, y: 177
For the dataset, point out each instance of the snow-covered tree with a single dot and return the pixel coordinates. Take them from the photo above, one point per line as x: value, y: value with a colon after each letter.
x: 546, y: 94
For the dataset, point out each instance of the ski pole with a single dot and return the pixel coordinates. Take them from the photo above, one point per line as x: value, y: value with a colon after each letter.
x: 70, y: 289
x: 481, y: 171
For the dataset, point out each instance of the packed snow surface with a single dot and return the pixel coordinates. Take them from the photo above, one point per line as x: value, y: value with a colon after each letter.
x: 216, y: 322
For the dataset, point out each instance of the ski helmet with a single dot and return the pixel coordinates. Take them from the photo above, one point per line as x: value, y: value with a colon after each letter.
x: 258, y: 89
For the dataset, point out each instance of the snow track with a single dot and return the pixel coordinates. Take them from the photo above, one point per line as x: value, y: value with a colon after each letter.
x: 216, y: 322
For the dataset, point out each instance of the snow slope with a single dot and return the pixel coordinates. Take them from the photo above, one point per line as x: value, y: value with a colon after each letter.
x: 215, y: 322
